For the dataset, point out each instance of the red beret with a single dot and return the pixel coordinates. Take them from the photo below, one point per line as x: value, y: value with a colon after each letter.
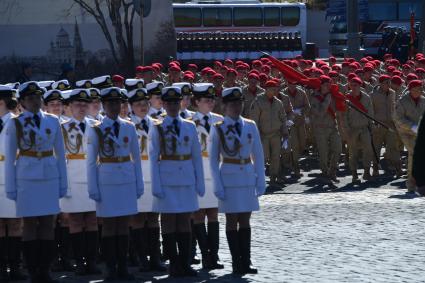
x: 193, y: 66
x: 336, y: 68
x: 156, y: 67
x: 232, y: 71
x: 325, y: 67
x: 391, y: 68
x: 388, y: 56
x: 397, y: 73
x: 405, y: 66
x: 265, y: 60
x: 228, y: 61
x: 117, y: 78
x: 383, y: 78
x: 188, y: 77
x: 370, y: 58
x: 359, y: 71
x: 266, y: 68
x: 368, y: 68
x: 397, y: 80
x: 411, y: 77
x: 325, y: 79
x: 175, y: 62
x: 253, y: 76
x: 158, y: 64
x: 217, y: 76
x: 210, y: 72
x: 421, y: 60
x: 364, y: 60
x: 188, y: 72
x: 218, y: 63
x: 356, y: 80
x: 420, y: 71
x: 414, y: 83
x: 307, y: 72
x: 351, y: 75
x: 205, y: 70
x: 353, y: 65
x: 255, y: 72
x: 139, y: 69
x: 257, y: 63
x: 174, y: 68
x: 345, y: 64
x: 333, y: 74
x: 271, y: 83
x: 294, y: 64
x: 332, y: 59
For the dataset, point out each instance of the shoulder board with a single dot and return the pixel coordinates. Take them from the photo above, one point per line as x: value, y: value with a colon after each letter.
x: 96, y: 124
x: 218, y: 124
x: 51, y: 115
x: 216, y: 115
x: 163, y: 115
x: 127, y: 121
x: 189, y: 121
x: 157, y: 122
x: 189, y: 118
x: 248, y: 120
x: 65, y: 121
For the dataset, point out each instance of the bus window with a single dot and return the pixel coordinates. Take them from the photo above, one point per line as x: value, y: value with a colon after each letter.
x: 386, y: 11
x: 187, y: 17
x: 252, y: 17
x: 290, y: 16
x: 217, y: 17
x: 404, y: 10
x: 271, y: 16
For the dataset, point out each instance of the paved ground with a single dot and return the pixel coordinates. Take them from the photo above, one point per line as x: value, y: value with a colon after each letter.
x: 305, y: 233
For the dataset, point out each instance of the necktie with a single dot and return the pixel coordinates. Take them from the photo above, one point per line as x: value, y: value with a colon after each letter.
x: 183, y: 115
x: 1, y: 125
x: 36, y: 119
x: 238, y: 128
x: 82, y: 126
x: 176, y: 126
x: 207, y: 124
x: 116, y: 129
x: 145, y: 126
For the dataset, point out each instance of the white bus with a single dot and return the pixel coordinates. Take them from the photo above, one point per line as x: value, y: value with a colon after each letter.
x: 241, y: 16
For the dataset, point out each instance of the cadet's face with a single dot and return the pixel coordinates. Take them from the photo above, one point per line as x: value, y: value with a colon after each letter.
x: 385, y: 85
x: 32, y: 103
x: 95, y: 107
x: 354, y: 86
x: 172, y: 108
x: 416, y: 91
x: 272, y: 91
x: 156, y: 101
x: 124, y: 110
x: 252, y: 82
x: 205, y: 105
x: 140, y: 108
x: 185, y: 103
x: 54, y: 107
x: 79, y: 109
x: 112, y: 108
x: 233, y: 109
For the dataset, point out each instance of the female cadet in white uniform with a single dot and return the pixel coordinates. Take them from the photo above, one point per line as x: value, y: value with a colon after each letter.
x: 237, y: 167
x: 156, y: 110
x: 115, y: 180
x: 80, y: 208
x: 186, y: 90
x: 208, y: 204
x: 177, y: 180
x: 10, y: 225
x: 36, y: 178
x: 145, y: 225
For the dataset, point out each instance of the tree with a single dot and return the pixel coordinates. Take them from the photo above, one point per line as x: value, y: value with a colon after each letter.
x: 121, y: 13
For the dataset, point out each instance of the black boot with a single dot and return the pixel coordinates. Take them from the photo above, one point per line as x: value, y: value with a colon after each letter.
x: 47, y: 254
x: 170, y: 251
x: 63, y: 250
x: 193, y: 259
x: 132, y: 254
x: 213, y: 245
x: 122, y: 249
x: 245, y: 244
x: 234, y: 247
x: 31, y: 251
x: 77, y: 241
x: 91, y: 250
x: 15, y: 247
x: 155, y: 250
x: 200, y: 232
x: 109, y: 252
x: 139, y: 242
x: 184, y: 242
x: 4, y: 276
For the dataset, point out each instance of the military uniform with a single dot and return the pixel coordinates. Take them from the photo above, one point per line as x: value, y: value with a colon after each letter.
x: 384, y: 108
x: 270, y: 117
x: 358, y: 128
x: 237, y: 167
x: 249, y: 97
x: 407, y: 117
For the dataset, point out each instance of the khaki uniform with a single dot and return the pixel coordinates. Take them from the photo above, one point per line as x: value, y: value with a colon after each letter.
x: 286, y: 156
x: 325, y: 132
x: 298, y: 135
x: 249, y: 98
x: 271, y: 121
x: 384, y: 108
x: 357, y: 127
x: 407, y: 115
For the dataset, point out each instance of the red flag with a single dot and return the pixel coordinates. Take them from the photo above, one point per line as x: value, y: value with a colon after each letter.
x: 340, y: 104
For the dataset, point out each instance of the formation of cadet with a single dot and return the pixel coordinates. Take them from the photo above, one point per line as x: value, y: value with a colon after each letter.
x: 106, y: 168
x: 206, y: 46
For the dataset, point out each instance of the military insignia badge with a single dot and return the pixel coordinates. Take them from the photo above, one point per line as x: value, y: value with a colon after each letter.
x: 139, y: 85
x: 211, y: 90
x: 83, y: 94
x: 61, y: 86
x: 171, y: 93
x: 185, y: 89
x: 88, y: 84
x: 114, y: 93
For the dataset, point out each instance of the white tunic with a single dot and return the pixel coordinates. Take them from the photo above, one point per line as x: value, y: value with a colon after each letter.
x: 237, y: 186
x: 176, y: 183
x: 7, y: 206
x: 77, y: 198
x: 209, y: 200
x: 145, y: 203
x: 115, y: 186
x: 38, y: 182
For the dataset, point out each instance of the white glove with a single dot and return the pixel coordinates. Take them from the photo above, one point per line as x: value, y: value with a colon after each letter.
x: 415, y: 129
x: 284, y: 144
x: 289, y: 123
x: 298, y: 111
